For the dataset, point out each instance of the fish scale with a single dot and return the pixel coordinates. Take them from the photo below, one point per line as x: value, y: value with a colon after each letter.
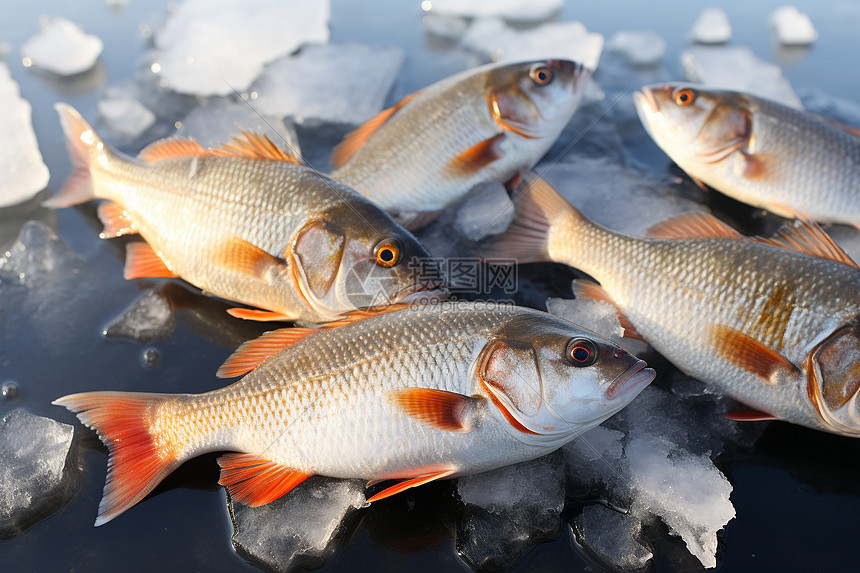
x: 792, y: 162
x: 428, y: 153
x: 724, y: 310
x: 253, y: 227
x: 402, y: 394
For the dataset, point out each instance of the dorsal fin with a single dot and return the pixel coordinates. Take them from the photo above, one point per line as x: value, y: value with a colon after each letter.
x: 807, y: 237
x: 254, y: 352
x: 693, y: 226
x: 848, y: 128
x: 356, y: 138
x: 173, y: 147
x: 255, y: 146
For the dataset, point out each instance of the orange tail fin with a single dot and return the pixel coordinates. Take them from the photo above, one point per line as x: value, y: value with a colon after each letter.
x: 80, y: 139
x: 138, y: 460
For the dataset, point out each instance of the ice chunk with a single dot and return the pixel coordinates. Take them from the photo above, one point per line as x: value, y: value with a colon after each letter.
x: 297, y: 530
x: 220, y: 119
x: 487, y: 211
x: 792, y: 27
x: 213, y: 47
x: 516, y: 10
x: 689, y: 494
x: 445, y: 25
x: 33, y: 479
x: 736, y: 68
x: 568, y: 40
x: 670, y: 473
x: 711, y: 27
x: 61, y: 47
x: 593, y: 458
x: 509, y: 510
x: 344, y: 83
x: 126, y: 116
x: 640, y: 48
x: 596, y: 316
x: 149, y: 318
x: 612, y: 537
x: 618, y: 197
x: 22, y: 171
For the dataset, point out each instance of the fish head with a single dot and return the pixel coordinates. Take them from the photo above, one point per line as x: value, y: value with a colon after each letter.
x: 833, y: 380
x: 693, y: 125
x: 355, y: 256
x: 552, y: 380
x: 535, y: 100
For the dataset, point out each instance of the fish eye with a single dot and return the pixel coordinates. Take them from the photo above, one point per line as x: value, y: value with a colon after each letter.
x: 541, y: 75
x: 684, y: 96
x: 387, y: 253
x: 581, y: 352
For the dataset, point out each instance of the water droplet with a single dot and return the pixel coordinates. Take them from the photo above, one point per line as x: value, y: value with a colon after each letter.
x: 9, y: 390
x: 150, y: 358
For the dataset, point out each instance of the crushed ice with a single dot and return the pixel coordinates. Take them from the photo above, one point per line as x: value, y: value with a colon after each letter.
x: 62, y: 48
x: 22, y: 171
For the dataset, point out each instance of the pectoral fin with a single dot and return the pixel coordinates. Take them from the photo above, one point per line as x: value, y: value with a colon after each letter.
x: 444, y: 410
x: 751, y: 355
x: 259, y: 315
x: 243, y: 257
x: 749, y: 416
x: 256, y: 481
x: 414, y: 482
x: 477, y: 157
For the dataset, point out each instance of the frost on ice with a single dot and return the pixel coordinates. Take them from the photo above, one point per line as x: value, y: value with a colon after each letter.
x: 515, y: 10
x: 298, y: 529
x: 221, y: 119
x: 792, y: 27
x: 509, y: 510
x: 640, y: 48
x: 343, y: 83
x: 568, y: 40
x: 711, y: 27
x: 126, y: 116
x: 195, y: 58
x: 22, y: 171
x: 612, y: 537
x: 639, y: 200
x: 61, y: 47
x: 486, y: 211
x: 33, y: 479
x: 738, y: 69
x: 149, y: 318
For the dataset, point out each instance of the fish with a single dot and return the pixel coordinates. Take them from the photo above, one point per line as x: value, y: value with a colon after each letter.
x: 793, y: 163
x: 248, y: 223
x: 416, y: 394
x: 481, y: 125
x: 772, y: 322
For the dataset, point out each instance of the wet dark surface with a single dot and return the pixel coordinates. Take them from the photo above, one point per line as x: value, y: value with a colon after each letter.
x: 796, y: 491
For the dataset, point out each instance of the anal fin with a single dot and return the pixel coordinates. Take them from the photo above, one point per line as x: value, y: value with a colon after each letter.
x: 143, y: 262
x: 115, y: 219
x: 256, y: 481
x: 414, y: 482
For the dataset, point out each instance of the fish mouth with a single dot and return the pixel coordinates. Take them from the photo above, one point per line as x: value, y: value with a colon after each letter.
x: 423, y: 292
x: 645, y: 101
x: 636, y: 375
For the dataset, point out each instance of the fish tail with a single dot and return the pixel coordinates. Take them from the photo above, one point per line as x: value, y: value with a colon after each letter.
x: 82, y: 143
x: 538, y: 207
x: 138, y: 460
